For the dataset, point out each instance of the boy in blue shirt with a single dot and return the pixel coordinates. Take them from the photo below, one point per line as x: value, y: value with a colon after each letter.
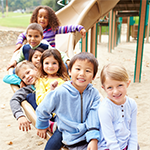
x: 75, y: 103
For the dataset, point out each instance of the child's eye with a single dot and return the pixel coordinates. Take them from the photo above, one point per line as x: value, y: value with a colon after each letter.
x: 120, y: 85
x: 87, y: 70
x: 54, y: 63
x: 36, y: 36
x: 46, y: 63
x: 109, y: 87
x: 77, y: 68
x: 28, y: 72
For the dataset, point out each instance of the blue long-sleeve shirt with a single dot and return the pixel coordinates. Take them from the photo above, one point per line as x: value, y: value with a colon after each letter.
x: 118, y: 125
x: 77, y: 114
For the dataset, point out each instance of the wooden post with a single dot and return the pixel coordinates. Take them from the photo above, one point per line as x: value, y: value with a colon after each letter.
x: 100, y: 33
x: 93, y: 45
x: 84, y: 43
x: 140, y: 41
x: 147, y: 37
x: 128, y: 29
x: 110, y: 31
x: 113, y: 29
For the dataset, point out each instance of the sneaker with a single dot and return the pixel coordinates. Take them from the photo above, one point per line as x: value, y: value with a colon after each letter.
x: 53, y: 126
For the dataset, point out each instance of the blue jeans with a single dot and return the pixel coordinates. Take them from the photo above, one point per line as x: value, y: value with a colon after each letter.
x: 55, y: 142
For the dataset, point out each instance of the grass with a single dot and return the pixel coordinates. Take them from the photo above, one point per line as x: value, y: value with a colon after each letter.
x: 15, y: 20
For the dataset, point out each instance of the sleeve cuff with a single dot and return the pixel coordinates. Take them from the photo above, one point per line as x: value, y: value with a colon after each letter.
x: 92, y: 134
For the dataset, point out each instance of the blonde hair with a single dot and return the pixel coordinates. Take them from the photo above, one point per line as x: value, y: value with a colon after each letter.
x: 114, y: 72
x: 24, y: 64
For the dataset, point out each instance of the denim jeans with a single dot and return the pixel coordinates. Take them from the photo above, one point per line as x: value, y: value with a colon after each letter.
x: 55, y: 142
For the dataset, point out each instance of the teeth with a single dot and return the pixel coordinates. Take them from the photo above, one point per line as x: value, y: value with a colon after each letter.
x: 81, y: 79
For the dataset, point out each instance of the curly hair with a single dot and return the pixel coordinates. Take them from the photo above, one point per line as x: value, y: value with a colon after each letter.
x: 53, y: 20
x: 62, y: 71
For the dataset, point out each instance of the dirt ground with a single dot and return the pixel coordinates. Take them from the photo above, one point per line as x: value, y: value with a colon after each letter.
x: 13, y: 139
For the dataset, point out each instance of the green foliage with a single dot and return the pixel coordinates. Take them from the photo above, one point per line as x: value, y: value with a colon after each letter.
x: 52, y: 3
x: 21, y: 4
x: 15, y: 20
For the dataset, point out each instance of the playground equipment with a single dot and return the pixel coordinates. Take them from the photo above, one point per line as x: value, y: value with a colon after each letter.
x: 83, y: 12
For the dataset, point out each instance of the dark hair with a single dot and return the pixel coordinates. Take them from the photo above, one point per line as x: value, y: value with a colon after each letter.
x: 53, y: 20
x: 32, y: 51
x: 85, y: 56
x: 62, y: 71
x: 35, y: 26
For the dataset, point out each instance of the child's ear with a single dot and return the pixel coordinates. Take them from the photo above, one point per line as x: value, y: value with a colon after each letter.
x: 128, y: 83
x: 103, y: 87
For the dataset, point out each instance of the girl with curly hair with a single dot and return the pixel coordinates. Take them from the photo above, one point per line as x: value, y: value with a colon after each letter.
x: 46, y: 17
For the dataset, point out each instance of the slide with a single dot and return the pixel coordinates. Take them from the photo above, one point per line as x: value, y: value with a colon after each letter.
x: 80, y: 12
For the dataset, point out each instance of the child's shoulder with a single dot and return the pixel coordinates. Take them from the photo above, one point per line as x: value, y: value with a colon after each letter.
x: 131, y: 102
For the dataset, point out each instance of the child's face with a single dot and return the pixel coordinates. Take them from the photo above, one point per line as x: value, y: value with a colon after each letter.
x: 81, y: 74
x: 28, y: 75
x: 50, y: 66
x: 34, y: 37
x: 116, y: 90
x: 42, y: 18
x: 36, y: 58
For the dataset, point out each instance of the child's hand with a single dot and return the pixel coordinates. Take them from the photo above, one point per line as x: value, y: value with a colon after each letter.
x: 22, y: 84
x: 92, y: 145
x: 11, y: 64
x: 53, y: 85
x: 83, y: 32
x: 67, y: 62
x: 18, y: 46
x: 42, y: 132
x: 24, y: 124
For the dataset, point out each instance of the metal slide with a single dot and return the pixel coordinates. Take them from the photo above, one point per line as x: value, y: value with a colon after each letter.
x: 80, y: 12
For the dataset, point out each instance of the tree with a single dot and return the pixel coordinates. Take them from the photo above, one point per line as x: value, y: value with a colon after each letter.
x: 52, y: 3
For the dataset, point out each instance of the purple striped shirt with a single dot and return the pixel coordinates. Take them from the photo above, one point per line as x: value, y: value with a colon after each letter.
x: 49, y: 35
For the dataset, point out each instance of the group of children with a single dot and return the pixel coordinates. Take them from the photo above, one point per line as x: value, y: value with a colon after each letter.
x: 69, y: 106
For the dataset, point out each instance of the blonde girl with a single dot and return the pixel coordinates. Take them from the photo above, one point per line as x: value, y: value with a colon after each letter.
x: 117, y: 112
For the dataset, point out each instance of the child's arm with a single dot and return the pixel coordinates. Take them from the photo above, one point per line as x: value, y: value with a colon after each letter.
x: 17, y: 98
x: 41, y: 90
x: 24, y: 124
x: 94, y: 125
x: 12, y: 64
x: 107, y: 127
x: 133, y: 142
x: 71, y: 28
x: 20, y: 40
x: 12, y: 79
x: 93, y: 145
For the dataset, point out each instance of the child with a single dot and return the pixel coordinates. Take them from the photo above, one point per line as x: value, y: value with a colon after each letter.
x: 75, y: 103
x: 34, y: 57
x: 47, y: 18
x: 52, y: 68
x: 117, y: 112
x: 28, y: 73
x: 34, y: 39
